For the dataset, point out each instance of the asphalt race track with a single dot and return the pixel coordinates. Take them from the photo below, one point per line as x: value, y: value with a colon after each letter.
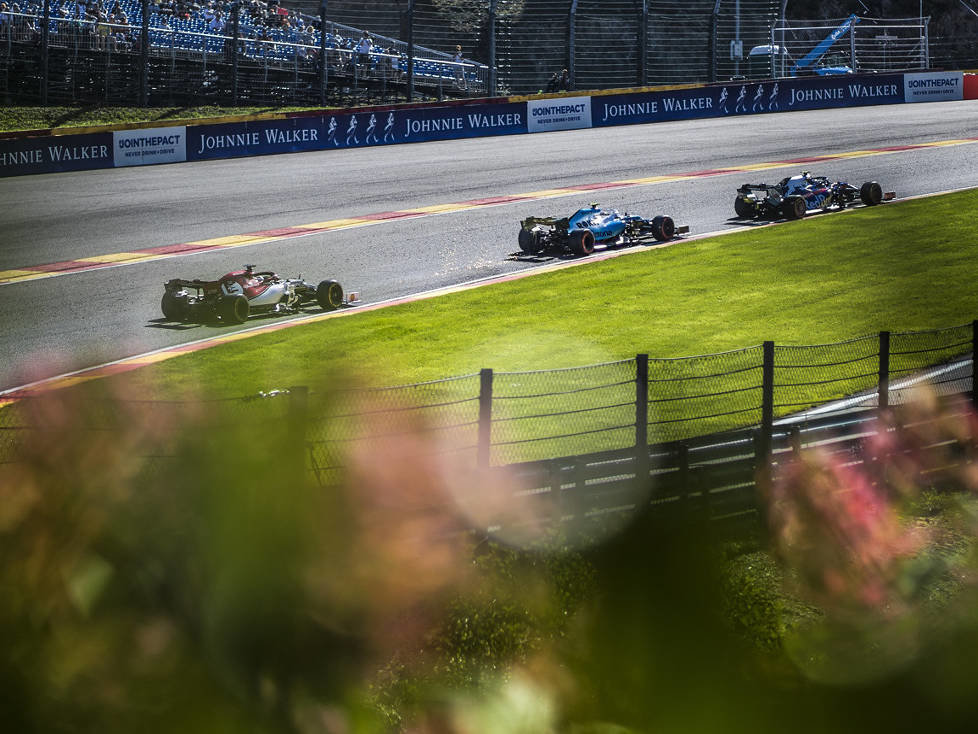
x: 58, y: 324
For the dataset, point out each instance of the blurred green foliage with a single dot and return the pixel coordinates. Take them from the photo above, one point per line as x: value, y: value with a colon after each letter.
x: 174, y: 568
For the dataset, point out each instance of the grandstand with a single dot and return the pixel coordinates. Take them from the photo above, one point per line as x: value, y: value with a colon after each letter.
x: 278, y: 53
x: 263, y: 52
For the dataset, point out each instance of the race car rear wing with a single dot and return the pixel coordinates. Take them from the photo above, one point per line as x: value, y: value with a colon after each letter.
x: 177, y: 283
x: 531, y: 222
x: 748, y: 187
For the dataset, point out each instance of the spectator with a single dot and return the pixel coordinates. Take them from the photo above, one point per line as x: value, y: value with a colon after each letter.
x: 554, y: 84
x: 4, y: 18
x: 459, y: 69
x: 307, y: 39
x: 363, y: 49
x: 123, y: 33
x: 216, y: 25
x: 102, y: 31
x: 565, y: 82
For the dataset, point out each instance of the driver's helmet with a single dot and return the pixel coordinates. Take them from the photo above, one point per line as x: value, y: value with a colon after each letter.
x: 797, y: 184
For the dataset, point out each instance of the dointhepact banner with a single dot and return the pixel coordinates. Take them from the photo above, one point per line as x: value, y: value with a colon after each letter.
x: 55, y: 153
x: 352, y: 130
x: 148, y: 146
x: 562, y: 113
x: 938, y: 86
x: 747, y: 98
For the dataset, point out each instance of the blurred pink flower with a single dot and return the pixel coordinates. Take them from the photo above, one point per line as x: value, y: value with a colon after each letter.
x: 840, y: 530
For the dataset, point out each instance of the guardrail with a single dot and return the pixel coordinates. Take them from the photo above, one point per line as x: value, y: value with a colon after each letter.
x: 518, y: 418
x: 143, y: 144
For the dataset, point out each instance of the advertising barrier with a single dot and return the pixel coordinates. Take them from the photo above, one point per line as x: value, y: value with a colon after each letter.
x: 255, y: 137
x: 56, y: 153
x: 747, y: 98
x: 145, y: 147
x: 350, y: 128
x: 940, y: 86
x: 354, y: 129
x: 562, y: 113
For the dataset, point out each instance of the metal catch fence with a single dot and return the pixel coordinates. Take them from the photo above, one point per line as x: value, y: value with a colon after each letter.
x: 493, y: 419
x: 372, y: 421
x: 703, y: 395
x: 549, y: 413
x: 308, y: 55
x: 811, y: 375
x: 853, y: 44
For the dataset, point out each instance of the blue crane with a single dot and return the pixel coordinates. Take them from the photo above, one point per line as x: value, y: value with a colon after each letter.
x: 816, y: 53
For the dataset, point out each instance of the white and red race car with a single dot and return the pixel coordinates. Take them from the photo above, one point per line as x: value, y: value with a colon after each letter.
x: 235, y: 296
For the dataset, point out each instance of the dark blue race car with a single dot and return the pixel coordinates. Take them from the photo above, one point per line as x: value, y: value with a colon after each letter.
x: 591, y: 228
x: 795, y: 196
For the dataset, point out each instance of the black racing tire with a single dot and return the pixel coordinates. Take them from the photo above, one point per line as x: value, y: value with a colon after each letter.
x: 329, y: 295
x: 174, y: 307
x: 581, y: 242
x: 663, y: 228
x: 871, y: 193
x: 234, y: 309
x: 793, y: 207
x: 745, y: 208
x: 530, y: 241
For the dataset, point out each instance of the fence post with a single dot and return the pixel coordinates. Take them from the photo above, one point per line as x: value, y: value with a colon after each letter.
x: 795, y: 434
x: 235, y: 35
x: 322, y: 53
x: 485, y: 417
x: 714, y: 31
x: 410, y: 51
x: 926, y: 59
x: 45, y: 30
x: 144, y: 56
x: 642, y: 419
x: 682, y: 458
x: 884, y: 374
x: 852, y: 47
x: 643, y: 44
x: 571, y: 34
x: 767, y: 415
x: 492, y: 48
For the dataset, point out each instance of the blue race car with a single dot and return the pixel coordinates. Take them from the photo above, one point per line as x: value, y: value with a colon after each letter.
x: 795, y: 196
x: 592, y: 227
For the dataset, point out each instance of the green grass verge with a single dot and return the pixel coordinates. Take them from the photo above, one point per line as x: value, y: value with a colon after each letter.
x: 36, y: 118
